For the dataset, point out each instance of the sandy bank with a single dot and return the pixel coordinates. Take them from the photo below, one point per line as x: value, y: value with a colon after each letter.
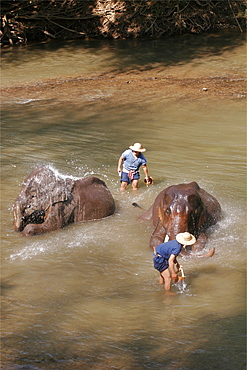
x: 126, y: 87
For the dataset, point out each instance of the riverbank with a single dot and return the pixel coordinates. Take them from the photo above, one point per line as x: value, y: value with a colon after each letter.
x: 23, y: 22
x: 125, y: 87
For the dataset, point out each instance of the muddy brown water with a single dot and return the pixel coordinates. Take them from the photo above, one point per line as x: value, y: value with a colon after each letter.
x: 87, y: 296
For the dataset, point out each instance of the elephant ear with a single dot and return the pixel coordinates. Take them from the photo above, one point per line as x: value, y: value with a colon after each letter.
x: 46, y: 187
x: 212, y: 206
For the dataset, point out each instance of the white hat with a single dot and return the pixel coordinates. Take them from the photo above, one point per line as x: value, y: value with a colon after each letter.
x: 137, y: 147
x: 186, y: 238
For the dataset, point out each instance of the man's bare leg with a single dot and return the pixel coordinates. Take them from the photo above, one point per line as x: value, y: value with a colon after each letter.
x: 161, y: 279
x: 135, y: 184
x: 167, y: 278
x: 123, y: 185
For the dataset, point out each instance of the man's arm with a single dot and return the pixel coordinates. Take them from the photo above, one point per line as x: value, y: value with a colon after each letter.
x: 120, y: 161
x: 171, y: 263
x: 145, y: 170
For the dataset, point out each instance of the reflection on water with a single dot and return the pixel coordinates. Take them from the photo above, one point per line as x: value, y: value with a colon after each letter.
x: 216, y: 54
x: 87, y: 296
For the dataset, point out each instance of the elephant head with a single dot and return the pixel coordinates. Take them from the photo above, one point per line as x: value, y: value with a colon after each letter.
x: 43, y: 187
x: 180, y: 208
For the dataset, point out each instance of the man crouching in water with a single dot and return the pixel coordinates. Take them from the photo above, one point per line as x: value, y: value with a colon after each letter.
x: 165, y: 255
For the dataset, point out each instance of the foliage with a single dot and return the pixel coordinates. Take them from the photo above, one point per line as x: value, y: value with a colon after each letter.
x: 36, y: 20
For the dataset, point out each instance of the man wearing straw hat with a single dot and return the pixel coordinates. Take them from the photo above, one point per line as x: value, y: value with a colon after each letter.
x: 132, y: 159
x: 165, y: 257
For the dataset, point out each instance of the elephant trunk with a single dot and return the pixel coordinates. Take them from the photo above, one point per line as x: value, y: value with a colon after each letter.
x: 176, y: 225
x: 18, y: 217
x: 182, y: 223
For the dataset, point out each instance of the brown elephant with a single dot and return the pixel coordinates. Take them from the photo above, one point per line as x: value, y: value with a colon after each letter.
x: 180, y: 208
x: 49, y: 201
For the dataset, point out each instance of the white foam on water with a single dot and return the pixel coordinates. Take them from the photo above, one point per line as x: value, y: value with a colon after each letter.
x: 23, y: 101
x: 29, y: 252
x: 75, y: 236
x: 182, y: 286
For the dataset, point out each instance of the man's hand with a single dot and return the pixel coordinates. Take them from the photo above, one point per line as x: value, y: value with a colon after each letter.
x: 175, y: 277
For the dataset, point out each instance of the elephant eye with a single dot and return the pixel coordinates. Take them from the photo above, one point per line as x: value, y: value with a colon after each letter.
x: 167, y: 211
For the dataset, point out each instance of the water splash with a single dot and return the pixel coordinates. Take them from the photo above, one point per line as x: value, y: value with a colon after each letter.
x: 182, y: 286
x: 29, y: 252
x: 24, y: 101
x: 181, y: 283
x: 81, y: 235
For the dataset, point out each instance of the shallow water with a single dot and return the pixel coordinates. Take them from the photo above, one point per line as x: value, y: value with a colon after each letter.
x: 218, y: 54
x: 87, y: 296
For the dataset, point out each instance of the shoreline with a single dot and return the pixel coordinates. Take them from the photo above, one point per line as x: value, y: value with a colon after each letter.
x: 125, y: 87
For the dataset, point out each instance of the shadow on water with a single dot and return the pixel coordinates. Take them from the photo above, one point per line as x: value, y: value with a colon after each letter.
x: 146, y: 54
x: 124, y: 55
x: 112, y: 323
x: 152, y: 344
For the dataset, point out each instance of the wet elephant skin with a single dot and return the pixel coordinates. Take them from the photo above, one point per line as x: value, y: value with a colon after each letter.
x: 49, y: 201
x: 180, y: 208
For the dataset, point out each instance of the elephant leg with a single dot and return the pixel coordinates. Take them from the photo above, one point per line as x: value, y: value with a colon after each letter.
x: 158, y: 235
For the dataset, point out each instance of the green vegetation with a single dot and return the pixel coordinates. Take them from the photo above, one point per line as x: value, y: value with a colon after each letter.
x: 38, y: 20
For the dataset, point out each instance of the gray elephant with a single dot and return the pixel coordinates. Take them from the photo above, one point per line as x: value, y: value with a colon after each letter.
x: 49, y: 201
x: 180, y: 208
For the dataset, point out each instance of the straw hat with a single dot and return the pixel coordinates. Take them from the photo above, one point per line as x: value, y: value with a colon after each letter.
x: 186, y: 238
x: 137, y: 147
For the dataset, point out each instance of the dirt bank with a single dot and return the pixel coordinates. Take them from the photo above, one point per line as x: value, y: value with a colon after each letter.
x: 127, y: 87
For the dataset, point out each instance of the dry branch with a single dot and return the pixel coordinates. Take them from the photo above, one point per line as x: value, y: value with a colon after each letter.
x: 36, y: 20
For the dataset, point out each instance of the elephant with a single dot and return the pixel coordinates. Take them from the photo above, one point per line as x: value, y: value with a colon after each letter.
x: 180, y: 208
x: 50, y: 201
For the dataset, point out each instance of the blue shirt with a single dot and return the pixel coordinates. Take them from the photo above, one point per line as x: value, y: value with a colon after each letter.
x: 131, y: 163
x: 168, y: 248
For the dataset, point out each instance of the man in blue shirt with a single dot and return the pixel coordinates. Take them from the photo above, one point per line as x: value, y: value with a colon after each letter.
x: 132, y: 159
x: 165, y: 255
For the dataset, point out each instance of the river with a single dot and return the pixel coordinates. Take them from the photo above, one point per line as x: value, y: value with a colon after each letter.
x: 87, y: 296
